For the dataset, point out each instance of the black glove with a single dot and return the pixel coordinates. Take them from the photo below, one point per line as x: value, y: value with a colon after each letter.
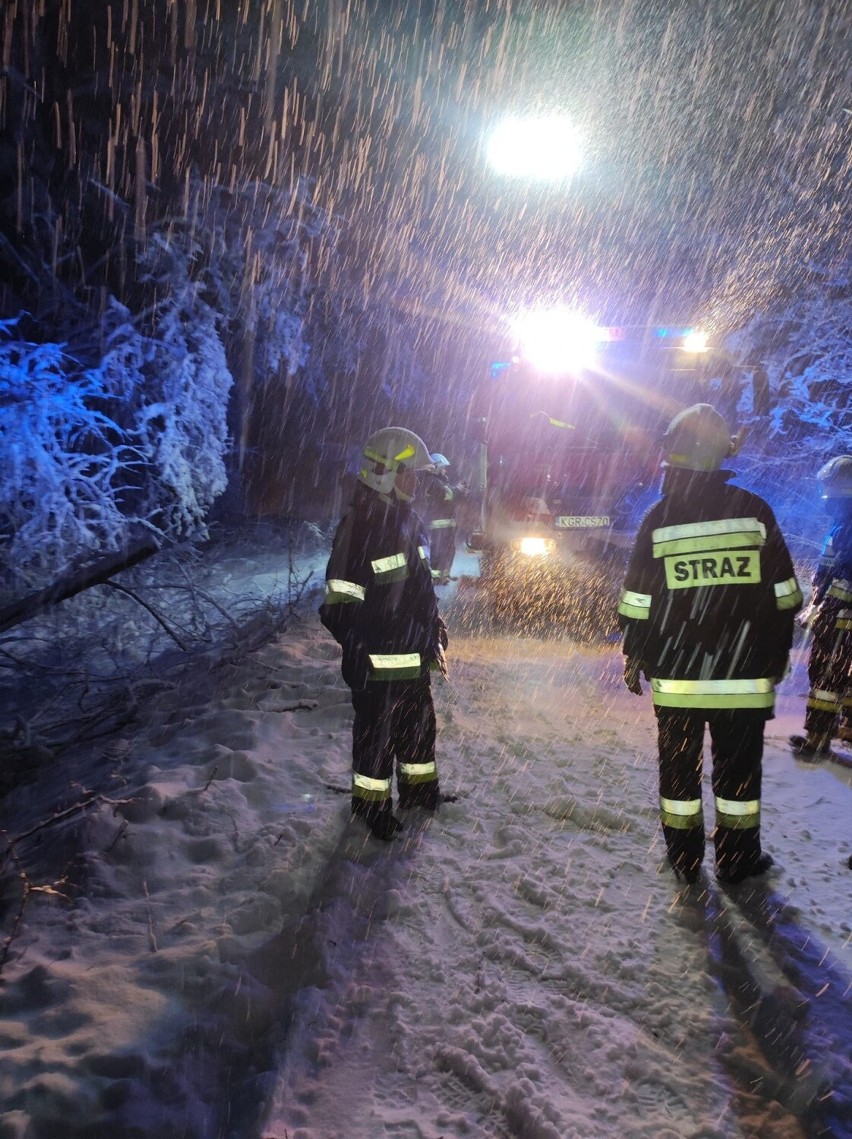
x: 443, y: 638
x: 633, y: 671
x: 355, y: 665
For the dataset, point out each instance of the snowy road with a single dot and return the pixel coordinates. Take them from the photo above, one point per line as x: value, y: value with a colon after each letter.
x: 520, y: 966
x: 223, y: 954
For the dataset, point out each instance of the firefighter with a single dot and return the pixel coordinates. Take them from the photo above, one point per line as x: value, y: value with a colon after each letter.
x: 830, y: 621
x: 380, y: 606
x: 707, y: 610
x: 440, y: 503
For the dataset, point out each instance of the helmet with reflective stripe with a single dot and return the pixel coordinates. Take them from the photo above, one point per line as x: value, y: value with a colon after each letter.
x: 698, y: 439
x: 387, y: 452
x: 835, y: 478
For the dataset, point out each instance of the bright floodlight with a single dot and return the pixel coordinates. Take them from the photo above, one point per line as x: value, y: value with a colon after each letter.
x: 695, y: 341
x: 544, y: 149
x: 557, y: 340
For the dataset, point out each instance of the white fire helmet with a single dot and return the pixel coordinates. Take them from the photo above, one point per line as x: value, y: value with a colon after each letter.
x: 439, y: 460
x: 835, y: 478
x: 698, y: 439
x: 388, y: 450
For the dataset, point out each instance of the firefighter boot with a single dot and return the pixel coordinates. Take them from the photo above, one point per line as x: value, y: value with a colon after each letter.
x: 425, y: 795
x: 738, y: 854
x: 812, y: 747
x: 379, y: 817
x: 685, y: 849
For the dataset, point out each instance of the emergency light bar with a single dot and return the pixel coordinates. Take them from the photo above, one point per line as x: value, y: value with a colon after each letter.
x: 561, y: 340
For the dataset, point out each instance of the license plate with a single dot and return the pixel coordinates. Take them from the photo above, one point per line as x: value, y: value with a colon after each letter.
x: 582, y: 521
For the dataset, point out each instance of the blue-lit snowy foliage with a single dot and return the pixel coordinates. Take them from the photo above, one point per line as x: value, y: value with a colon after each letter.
x: 139, y: 439
x: 62, y: 460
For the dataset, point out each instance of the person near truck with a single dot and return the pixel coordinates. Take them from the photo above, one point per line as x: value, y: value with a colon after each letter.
x: 707, y: 611
x: 440, y: 504
x: 829, y: 618
x: 380, y: 607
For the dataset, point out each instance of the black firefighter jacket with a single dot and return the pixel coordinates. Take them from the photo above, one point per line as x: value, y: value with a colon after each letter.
x: 380, y: 604
x: 710, y: 598
x: 832, y: 584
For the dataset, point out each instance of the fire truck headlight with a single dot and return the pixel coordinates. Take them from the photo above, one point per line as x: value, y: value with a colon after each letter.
x: 695, y: 341
x: 535, y: 547
x: 557, y: 341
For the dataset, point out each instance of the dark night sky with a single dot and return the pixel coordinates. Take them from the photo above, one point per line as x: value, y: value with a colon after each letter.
x: 716, y: 147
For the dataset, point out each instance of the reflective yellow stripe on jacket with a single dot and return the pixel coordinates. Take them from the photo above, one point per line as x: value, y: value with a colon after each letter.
x: 697, y: 537
x: 787, y: 594
x: 635, y: 605
x: 338, y: 591
x: 751, y: 693
x: 394, y: 666
x: 392, y: 568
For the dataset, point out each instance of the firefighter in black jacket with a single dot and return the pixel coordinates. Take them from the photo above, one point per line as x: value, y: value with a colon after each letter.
x: 830, y: 620
x: 440, y: 502
x: 707, y: 610
x: 380, y: 606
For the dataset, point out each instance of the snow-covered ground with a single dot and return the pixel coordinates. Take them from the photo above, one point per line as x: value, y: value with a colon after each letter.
x: 208, y: 946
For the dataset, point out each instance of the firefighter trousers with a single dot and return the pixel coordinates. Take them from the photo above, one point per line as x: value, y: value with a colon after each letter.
x: 830, y: 677
x: 442, y: 550
x: 394, y: 720
x: 736, y: 749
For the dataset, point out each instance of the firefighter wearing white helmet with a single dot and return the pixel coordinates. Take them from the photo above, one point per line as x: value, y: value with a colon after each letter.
x: 829, y: 618
x: 380, y: 607
x: 390, y: 452
x: 707, y: 612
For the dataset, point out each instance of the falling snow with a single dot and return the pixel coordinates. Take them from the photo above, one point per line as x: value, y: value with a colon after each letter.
x: 235, y: 237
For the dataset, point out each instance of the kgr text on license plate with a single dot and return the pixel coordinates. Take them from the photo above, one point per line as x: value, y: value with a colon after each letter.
x: 582, y: 521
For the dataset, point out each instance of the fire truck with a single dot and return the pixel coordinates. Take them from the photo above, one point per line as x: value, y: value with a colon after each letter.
x: 568, y: 462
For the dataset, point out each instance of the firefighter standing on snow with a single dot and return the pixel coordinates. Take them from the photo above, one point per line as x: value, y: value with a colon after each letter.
x: 380, y: 606
x: 830, y: 620
x: 439, y: 508
x: 707, y: 610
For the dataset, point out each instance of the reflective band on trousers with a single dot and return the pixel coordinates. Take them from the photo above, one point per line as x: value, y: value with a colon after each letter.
x: 787, y: 594
x: 844, y: 619
x: 418, y: 772
x: 693, y: 537
x: 442, y: 524
x: 374, y: 790
x: 840, y: 589
x: 337, y: 591
x: 393, y: 568
x: 756, y: 693
x: 395, y: 666
x: 822, y: 701
x: 681, y: 814
x: 737, y: 814
x: 635, y: 605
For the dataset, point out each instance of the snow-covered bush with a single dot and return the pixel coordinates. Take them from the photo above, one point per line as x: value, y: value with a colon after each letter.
x: 140, y: 438
x: 805, y: 345
x: 61, y: 455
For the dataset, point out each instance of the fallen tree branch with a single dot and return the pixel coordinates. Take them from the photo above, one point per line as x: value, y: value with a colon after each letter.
x: 158, y: 617
x: 76, y: 581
